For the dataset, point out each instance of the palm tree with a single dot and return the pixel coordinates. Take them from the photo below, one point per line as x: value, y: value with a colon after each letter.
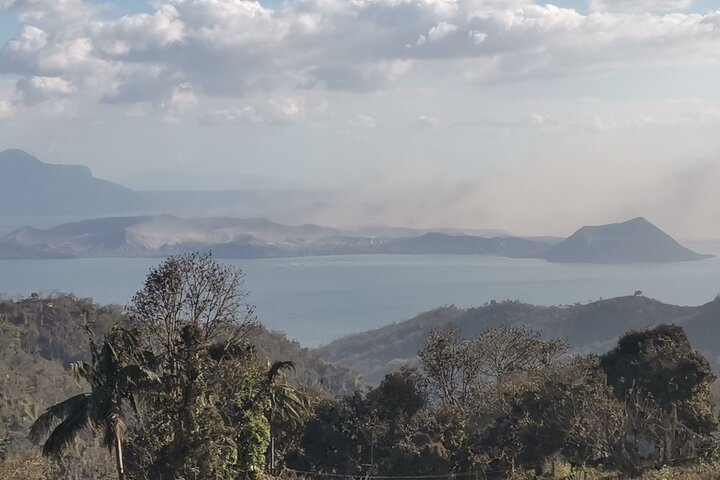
x: 285, y: 400
x: 286, y: 403
x: 115, y: 376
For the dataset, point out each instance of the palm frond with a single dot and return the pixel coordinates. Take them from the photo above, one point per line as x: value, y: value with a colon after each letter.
x: 278, y: 367
x: 136, y: 382
x: 87, y: 326
x: 66, y: 431
x: 114, y: 428
x: 287, y: 402
x: 81, y: 371
x: 58, y: 412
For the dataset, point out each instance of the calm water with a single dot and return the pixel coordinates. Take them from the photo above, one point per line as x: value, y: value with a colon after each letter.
x: 317, y: 299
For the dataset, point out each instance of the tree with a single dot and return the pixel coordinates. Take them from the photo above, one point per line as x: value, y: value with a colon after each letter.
x: 190, y: 290
x: 210, y: 419
x: 451, y: 366
x: 457, y: 370
x: 563, y: 409
x: 115, y: 376
x: 658, y: 370
x: 487, y: 385
x: 401, y: 394
x: 383, y: 431
x: 507, y: 350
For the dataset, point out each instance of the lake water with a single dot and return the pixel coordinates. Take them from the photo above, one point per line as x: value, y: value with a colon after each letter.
x: 318, y: 299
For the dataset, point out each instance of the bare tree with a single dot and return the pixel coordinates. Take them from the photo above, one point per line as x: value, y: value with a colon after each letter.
x: 502, y: 351
x: 191, y: 290
x: 457, y: 369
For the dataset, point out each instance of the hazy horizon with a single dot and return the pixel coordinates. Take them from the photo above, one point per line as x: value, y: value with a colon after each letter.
x: 477, y: 114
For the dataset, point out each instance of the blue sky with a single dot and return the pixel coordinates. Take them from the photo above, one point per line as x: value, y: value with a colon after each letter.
x: 499, y: 114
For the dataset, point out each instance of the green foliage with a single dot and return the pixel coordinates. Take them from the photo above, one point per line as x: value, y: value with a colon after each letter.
x: 665, y: 386
x: 661, y: 363
x: 210, y: 418
x: 53, y: 327
x: 113, y: 382
x: 27, y: 384
x: 179, y: 384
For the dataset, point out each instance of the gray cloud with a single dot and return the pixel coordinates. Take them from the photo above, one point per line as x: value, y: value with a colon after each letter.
x: 232, y: 48
x: 638, y: 5
x: 38, y: 89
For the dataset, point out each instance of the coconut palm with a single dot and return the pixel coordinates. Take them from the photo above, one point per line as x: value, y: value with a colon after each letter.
x: 285, y: 400
x: 115, y: 376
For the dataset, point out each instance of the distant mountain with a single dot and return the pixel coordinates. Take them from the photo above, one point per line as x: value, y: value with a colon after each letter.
x: 434, y: 243
x: 593, y: 327
x: 162, y: 235
x: 31, y: 187
x: 634, y: 241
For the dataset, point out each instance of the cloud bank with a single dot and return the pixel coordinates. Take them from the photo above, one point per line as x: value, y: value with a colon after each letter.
x: 232, y: 48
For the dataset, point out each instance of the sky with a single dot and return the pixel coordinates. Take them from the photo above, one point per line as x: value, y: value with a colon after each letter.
x: 528, y: 117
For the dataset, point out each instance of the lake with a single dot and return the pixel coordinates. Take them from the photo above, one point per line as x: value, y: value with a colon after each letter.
x: 318, y: 299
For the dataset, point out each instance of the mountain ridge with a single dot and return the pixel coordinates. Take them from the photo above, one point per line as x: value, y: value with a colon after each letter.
x: 592, y: 327
x: 137, y: 224
x: 633, y: 241
x: 162, y: 235
x: 30, y: 187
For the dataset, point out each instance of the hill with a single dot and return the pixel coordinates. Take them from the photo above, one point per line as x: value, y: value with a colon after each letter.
x: 592, y: 327
x: 40, y: 337
x: 633, y: 241
x: 30, y: 187
x: 51, y: 328
x: 159, y: 236
x: 163, y: 235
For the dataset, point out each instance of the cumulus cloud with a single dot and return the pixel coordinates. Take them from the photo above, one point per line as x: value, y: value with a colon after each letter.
x: 530, y: 120
x: 362, y: 121
x: 56, y: 13
x: 638, y: 5
x: 38, y: 89
x: 138, y: 33
x: 688, y: 114
x: 234, y: 48
x: 273, y: 112
x: 6, y: 110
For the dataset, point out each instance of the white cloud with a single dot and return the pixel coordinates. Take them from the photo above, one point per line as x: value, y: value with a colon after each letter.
x: 635, y: 6
x: 273, y: 112
x: 30, y: 40
x: 6, y: 110
x: 441, y: 30
x: 362, y: 121
x: 429, y: 121
x: 182, y: 98
x: 672, y: 114
x: 139, y: 33
x: 237, y: 47
x: 56, y: 13
x: 37, y: 89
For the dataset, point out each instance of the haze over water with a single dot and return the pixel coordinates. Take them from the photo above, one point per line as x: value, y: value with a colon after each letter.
x: 317, y: 299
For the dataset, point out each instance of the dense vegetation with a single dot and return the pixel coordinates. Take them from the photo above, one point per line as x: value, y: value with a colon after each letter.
x: 173, y: 386
x: 589, y: 327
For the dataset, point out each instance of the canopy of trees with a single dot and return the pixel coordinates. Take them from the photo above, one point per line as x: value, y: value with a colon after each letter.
x: 175, y: 389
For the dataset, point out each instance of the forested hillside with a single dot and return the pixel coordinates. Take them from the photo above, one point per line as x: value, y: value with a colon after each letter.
x: 40, y: 337
x: 592, y: 327
x: 182, y: 383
